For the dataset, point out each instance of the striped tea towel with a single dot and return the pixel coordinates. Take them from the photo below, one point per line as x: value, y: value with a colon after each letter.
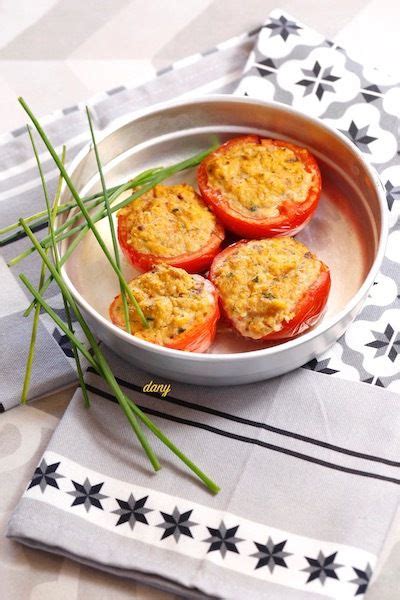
x: 308, y: 466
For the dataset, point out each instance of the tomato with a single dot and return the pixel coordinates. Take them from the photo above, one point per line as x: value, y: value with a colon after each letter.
x: 307, y: 310
x: 292, y: 215
x: 195, y: 339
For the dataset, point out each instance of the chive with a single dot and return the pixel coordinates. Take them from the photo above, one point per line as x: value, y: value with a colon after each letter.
x: 100, y: 364
x: 101, y: 361
x: 83, y: 210
x: 58, y: 321
x: 212, y: 486
x: 110, y: 221
x: 51, y: 216
x: 32, y: 343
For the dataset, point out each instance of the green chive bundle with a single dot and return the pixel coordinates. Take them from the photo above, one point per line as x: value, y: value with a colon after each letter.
x: 52, y: 262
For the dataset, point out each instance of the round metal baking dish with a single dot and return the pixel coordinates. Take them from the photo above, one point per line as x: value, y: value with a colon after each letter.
x: 348, y: 231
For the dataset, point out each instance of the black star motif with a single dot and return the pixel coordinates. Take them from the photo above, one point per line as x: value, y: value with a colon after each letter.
x: 318, y: 80
x: 271, y: 555
x: 385, y: 340
x: 371, y: 93
x: 322, y: 567
x: 283, y: 27
x: 177, y: 524
x: 45, y: 475
x: 132, y: 511
x: 392, y: 193
x: 360, y: 137
x: 87, y: 494
x: 320, y: 367
x: 362, y: 580
x: 223, y: 539
x: 374, y: 381
x: 266, y: 67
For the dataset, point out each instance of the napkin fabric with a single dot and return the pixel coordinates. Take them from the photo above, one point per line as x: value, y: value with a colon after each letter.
x: 307, y: 462
x: 308, y: 491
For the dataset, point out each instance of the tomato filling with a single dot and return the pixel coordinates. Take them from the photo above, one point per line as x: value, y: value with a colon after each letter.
x: 255, y: 179
x: 168, y: 221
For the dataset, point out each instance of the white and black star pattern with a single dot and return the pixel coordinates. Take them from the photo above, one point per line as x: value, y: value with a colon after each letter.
x: 318, y: 80
x: 87, y: 494
x: 266, y: 67
x: 374, y: 381
x: 223, y: 539
x: 320, y: 366
x: 45, y: 475
x: 177, y: 524
x: 371, y: 93
x: 283, y: 27
x: 132, y: 511
x: 360, y: 136
x: 271, y: 555
x: 362, y: 580
x: 322, y: 567
x: 392, y: 193
x: 388, y: 340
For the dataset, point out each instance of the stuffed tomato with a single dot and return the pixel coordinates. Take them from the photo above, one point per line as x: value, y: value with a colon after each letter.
x: 260, y: 187
x: 271, y: 289
x: 181, y: 309
x: 169, y: 225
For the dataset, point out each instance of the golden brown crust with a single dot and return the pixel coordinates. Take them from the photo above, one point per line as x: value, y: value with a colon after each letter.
x: 169, y: 221
x: 172, y: 301
x: 257, y: 178
x: 261, y: 282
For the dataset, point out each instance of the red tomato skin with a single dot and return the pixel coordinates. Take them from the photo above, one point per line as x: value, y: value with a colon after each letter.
x: 197, y: 262
x: 197, y: 339
x: 293, y: 217
x: 307, y: 311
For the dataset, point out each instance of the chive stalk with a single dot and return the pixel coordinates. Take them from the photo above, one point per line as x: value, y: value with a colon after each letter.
x: 51, y: 213
x: 32, y: 343
x: 110, y: 221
